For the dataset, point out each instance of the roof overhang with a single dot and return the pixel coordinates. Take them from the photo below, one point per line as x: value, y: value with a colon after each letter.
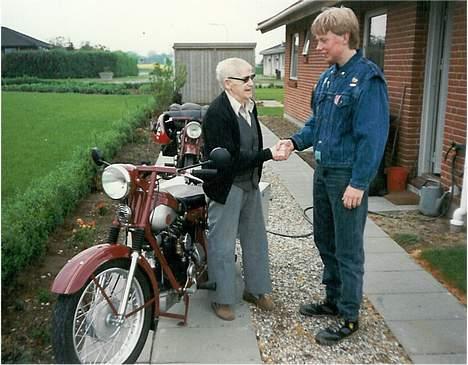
x: 294, y: 12
x: 224, y: 45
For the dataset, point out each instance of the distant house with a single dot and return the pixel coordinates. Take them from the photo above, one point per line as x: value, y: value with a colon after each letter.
x: 273, y: 60
x: 15, y: 41
x: 421, y: 47
x: 200, y: 60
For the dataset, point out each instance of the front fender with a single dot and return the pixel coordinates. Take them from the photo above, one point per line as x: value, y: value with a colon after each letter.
x: 78, y: 270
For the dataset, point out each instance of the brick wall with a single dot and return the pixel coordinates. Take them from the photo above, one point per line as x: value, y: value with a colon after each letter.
x: 455, y: 113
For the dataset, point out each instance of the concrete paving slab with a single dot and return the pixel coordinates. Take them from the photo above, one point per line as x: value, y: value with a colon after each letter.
x: 380, y: 204
x: 373, y: 230
x: 206, y: 346
x: 415, y: 306
x: 443, y: 336
x: 389, y: 261
x: 440, y: 359
x: 202, y: 316
x: 393, y: 282
x: 381, y: 245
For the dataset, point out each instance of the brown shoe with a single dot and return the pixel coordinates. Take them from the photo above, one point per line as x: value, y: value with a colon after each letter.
x: 223, y: 311
x: 263, y: 301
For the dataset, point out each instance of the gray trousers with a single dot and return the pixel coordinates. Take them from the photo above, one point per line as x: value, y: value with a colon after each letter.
x: 242, y: 213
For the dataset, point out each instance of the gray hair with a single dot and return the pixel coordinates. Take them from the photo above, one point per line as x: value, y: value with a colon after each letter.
x: 229, y: 67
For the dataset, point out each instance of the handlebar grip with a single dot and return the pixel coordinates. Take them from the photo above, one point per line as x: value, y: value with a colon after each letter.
x: 204, y: 173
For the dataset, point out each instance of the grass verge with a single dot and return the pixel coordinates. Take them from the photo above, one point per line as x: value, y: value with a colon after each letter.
x: 450, y: 262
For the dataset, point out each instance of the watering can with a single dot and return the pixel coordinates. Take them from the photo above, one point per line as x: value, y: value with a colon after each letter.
x: 431, y: 199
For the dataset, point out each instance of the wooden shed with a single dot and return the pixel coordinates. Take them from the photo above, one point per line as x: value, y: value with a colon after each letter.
x: 201, y: 60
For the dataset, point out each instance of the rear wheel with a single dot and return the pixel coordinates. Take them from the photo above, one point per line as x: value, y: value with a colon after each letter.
x: 85, y: 329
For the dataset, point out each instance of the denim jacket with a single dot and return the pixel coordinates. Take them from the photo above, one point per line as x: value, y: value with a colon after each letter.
x: 350, y: 120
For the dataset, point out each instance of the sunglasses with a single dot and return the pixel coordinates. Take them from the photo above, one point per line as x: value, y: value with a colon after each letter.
x: 244, y: 79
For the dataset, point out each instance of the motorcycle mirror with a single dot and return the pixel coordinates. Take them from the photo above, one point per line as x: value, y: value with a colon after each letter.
x: 96, y: 154
x: 220, y: 157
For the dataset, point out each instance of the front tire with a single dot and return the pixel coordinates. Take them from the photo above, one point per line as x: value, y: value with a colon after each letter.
x: 84, y: 327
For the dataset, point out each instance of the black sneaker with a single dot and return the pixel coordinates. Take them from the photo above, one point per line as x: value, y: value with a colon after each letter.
x: 332, y: 336
x: 325, y: 308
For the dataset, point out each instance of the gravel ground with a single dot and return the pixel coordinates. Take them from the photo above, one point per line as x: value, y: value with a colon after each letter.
x: 284, y: 335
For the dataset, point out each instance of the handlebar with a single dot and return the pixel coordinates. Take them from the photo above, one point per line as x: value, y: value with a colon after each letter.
x: 204, y: 173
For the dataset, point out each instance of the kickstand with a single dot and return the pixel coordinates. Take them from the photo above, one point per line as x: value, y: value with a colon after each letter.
x: 186, y: 302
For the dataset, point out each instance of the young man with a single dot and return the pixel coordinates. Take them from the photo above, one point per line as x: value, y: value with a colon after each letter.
x: 348, y: 130
x: 234, y: 200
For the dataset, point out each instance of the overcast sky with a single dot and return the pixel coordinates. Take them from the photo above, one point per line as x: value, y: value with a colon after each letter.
x: 145, y: 25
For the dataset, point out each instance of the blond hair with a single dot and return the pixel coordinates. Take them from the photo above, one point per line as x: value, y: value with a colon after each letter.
x: 338, y: 21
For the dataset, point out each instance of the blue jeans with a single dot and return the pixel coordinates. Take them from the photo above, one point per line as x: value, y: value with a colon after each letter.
x: 338, y: 235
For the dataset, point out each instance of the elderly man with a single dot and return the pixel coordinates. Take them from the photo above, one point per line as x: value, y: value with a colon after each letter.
x: 234, y: 201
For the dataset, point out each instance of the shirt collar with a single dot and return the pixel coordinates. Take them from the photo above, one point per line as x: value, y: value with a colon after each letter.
x: 336, y: 69
x: 236, y: 105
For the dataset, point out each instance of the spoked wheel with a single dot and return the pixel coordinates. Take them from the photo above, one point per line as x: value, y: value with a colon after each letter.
x: 85, y: 327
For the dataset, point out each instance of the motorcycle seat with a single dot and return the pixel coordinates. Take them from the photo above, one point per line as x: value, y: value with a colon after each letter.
x: 190, y: 196
x: 187, y: 111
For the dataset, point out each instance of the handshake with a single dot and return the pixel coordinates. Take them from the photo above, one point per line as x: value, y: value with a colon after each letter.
x: 282, y: 150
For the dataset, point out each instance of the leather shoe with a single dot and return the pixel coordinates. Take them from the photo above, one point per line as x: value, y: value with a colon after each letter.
x: 263, y: 301
x: 223, y: 311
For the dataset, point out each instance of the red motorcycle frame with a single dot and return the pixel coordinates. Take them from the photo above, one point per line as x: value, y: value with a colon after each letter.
x: 109, y: 294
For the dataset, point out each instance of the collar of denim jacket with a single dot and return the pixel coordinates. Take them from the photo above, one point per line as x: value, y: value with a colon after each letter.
x: 343, y: 70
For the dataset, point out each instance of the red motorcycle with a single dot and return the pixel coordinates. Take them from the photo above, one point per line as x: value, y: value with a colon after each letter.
x: 111, y: 295
x: 179, y: 130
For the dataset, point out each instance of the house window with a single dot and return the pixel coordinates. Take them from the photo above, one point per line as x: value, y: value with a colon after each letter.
x: 294, y: 56
x: 305, y: 49
x: 374, y: 40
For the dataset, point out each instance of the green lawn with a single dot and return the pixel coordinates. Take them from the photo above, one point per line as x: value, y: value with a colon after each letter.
x: 40, y: 130
x: 451, y: 263
x: 269, y: 94
x: 270, y: 111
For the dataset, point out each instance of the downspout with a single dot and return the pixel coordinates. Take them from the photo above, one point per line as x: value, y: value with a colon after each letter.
x: 458, y: 220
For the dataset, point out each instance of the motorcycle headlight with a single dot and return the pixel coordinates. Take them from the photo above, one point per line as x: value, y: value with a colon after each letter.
x: 193, y: 130
x: 116, y: 181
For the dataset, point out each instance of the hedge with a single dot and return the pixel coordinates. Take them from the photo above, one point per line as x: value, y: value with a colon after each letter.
x: 28, y: 220
x: 33, y: 84
x: 67, y: 64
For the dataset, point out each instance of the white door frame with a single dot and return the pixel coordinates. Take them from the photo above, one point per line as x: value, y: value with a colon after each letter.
x: 435, y: 88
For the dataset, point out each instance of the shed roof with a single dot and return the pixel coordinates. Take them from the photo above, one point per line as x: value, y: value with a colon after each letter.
x: 11, y: 39
x: 224, y: 45
x: 279, y: 48
x: 300, y: 9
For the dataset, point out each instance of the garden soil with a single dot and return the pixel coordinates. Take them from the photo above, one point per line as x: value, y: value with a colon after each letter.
x: 27, y: 305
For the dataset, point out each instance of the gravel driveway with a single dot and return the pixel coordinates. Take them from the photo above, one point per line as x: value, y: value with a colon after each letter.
x: 284, y: 335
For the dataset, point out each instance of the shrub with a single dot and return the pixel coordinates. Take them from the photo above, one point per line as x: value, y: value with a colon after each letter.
x: 166, y: 82
x: 28, y: 84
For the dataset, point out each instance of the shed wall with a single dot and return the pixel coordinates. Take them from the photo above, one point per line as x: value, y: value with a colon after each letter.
x: 201, y: 86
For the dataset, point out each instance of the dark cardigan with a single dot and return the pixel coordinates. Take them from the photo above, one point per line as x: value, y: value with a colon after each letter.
x: 221, y: 129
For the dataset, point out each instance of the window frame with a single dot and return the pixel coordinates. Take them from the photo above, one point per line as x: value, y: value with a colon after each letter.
x: 307, y: 41
x: 294, y: 56
x: 368, y: 15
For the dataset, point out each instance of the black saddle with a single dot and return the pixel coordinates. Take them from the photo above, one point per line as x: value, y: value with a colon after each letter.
x: 187, y: 111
